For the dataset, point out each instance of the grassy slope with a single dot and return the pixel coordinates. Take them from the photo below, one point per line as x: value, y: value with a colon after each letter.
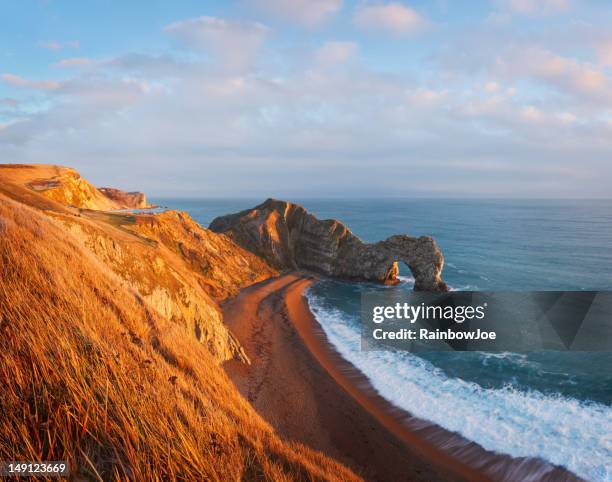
x: 91, y: 374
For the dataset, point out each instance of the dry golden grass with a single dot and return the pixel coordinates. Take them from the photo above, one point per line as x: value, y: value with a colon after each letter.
x: 90, y: 375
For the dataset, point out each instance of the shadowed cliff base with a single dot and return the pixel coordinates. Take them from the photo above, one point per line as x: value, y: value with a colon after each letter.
x: 289, y: 237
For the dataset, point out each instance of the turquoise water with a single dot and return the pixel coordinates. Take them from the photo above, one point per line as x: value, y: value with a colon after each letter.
x: 557, y: 406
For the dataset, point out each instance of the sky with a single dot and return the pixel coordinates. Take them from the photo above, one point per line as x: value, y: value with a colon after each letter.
x: 313, y: 98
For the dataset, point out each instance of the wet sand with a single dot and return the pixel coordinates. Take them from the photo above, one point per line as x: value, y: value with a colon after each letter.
x: 309, y: 393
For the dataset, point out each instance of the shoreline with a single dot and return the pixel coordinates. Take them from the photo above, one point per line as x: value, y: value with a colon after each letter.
x: 291, y: 353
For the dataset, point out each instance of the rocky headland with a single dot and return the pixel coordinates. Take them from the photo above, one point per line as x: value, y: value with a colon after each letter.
x: 61, y: 184
x: 66, y: 186
x: 126, y: 200
x: 289, y: 238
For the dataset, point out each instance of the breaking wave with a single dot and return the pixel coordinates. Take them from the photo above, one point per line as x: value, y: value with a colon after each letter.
x: 561, y: 430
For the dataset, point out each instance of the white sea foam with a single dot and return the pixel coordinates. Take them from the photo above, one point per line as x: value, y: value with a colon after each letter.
x: 463, y: 288
x: 563, y: 431
x: 409, y: 280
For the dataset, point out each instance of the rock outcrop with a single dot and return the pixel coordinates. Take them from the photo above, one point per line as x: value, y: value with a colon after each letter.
x: 289, y: 238
x: 126, y: 200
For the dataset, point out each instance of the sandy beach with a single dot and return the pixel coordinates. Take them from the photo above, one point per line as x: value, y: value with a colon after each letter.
x: 309, y: 393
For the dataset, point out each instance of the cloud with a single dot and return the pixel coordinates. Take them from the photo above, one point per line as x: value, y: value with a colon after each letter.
x: 535, y: 7
x: 491, y: 87
x: 74, y: 62
x: 508, y: 117
x: 18, y: 81
x: 232, y: 43
x: 80, y: 105
x: 603, y: 51
x: 8, y: 102
x: 295, y: 133
x: 565, y: 73
x: 334, y: 52
x: 532, y: 114
x: 392, y: 17
x: 55, y: 45
x: 305, y: 12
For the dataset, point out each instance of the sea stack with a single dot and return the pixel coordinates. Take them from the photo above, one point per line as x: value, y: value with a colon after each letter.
x: 288, y: 237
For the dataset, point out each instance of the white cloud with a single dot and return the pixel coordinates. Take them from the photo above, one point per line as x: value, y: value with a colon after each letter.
x: 491, y: 87
x: 306, y: 12
x: 536, y: 7
x: 532, y: 114
x: 80, y: 105
x: 566, y: 117
x: 55, y: 45
x: 392, y: 17
x: 8, y: 102
x: 277, y: 133
x: 423, y: 96
x: 565, y: 73
x: 335, y: 52
x: 74, y: 62
x: 19, y: 81
x: 603, y: 51
x: 234, y: 44
x: 294, y: 126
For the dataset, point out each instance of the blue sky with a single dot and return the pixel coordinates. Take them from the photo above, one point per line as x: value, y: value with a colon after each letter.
x: 295, y: 98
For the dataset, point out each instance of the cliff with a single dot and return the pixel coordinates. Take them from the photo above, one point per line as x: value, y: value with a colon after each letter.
x: 179, y: 269
x: 125, y: 200
x: 288, y: 237
x: 98, y: 369
x: 61, y: 184
x: 222, y: 266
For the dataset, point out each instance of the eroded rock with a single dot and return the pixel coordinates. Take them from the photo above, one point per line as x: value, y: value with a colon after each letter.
x: 126, y: 200
x: 289, y: 237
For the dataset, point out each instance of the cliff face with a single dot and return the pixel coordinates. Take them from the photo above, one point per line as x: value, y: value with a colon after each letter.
x: 125, y: 200
x: 177, y: 268
x: 61, y: 184
x: 165, y: 283
x: 288, y: 237
x: 222, y: 266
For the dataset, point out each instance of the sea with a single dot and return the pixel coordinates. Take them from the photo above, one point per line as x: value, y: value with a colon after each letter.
x: 556, y: 406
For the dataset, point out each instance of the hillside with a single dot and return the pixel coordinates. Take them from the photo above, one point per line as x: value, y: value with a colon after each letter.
x: 162, y: 258
x: 66, y: 186
x: 111, y: 340
x: 61, y: 184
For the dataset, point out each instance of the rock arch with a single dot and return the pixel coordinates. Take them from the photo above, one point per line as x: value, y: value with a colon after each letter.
x: 288, y: 237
